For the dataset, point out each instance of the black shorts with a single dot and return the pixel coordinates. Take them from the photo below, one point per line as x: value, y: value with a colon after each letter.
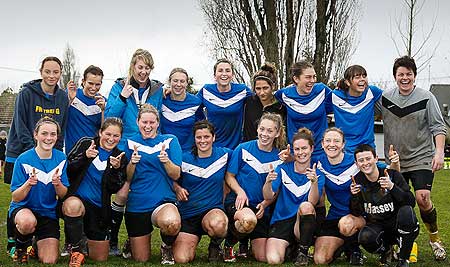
x: 330, y: 228
x: 262, y: 225
x: 193, y: 225
x: 420, y: 179
x: 93, y: 229
x: 8, y: 171
x: 284, y: 229
x: 138, y: 223
x: 45, y: 228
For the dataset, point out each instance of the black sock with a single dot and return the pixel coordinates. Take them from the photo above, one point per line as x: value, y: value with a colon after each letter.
x: 429, y: 218
x: 167, y: 239
x: 408, y: 230
x: 307, y: 226
x: 23, y: 241
x: 321, y: 213
x: 74, y: 227
x: 215, y: 241
x: 116, y: 220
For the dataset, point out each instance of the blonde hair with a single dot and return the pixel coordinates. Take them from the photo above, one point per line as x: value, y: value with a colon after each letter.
x: 147, y: 108
x: 280, y: 141
x: 143, y: 55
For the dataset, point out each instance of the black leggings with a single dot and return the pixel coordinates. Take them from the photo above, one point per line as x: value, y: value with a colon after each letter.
x: 377, y: 237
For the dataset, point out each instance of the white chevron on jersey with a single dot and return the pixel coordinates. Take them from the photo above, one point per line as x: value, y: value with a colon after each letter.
x: 259, y: 167
x: 205, y: 172
x: 174, y: 116
x: 149, y: 149
x: 341, y: 178
x: 344, y: 105
x: 208, y: 96
x: 292, y: 187
x: 305, y: 109
x: 100, y: 165
x: 43, y: 176
x: 85, y: 109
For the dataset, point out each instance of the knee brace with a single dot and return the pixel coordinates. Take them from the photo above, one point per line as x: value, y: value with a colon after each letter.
x: 407, y: 222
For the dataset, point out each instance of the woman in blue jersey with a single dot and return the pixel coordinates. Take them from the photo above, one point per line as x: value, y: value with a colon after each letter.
x: 39, y: 179
x: 307, y: 103
x: 180, y: 110
x: 338, y: 168
x: 297, y: 186
x: 247, y: 171
x: 200, y: 192
x: 96, y: 169
x: 224, y: 102
x: 155, y: 163
x: 124, y: 101
x: 353, y: 107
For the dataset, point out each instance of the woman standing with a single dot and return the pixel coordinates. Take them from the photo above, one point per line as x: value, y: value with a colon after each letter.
x: 307, y: 103
x: 245, y: 205
x: 39, y: 178
x: 264, y: 85
x: 180, y: 110
x: 38, y: 98
x: 96, y: 169
x: 224, y: 102
x: 124, y: 101
x: 297, y: 186
x: 353, y: 107
x: 155, y: 163
x: 200, y: 192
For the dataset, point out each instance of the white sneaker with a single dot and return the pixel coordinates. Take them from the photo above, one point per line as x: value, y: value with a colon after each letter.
x: 438, y: 250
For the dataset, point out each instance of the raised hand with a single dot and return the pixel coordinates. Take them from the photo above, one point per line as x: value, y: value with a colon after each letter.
x: 91, y: 152
x: 127, y: 89
x: 311, y: 173
x: 285, y: 154
x: 163, y: 156
x: 272, y: 175
x: 135, y: 157
x: 71, y: 90
x: 56, y: 178
x: 100, y: 101
x: 393, y: 155
x: 115, y: 161
x: 354, y: 188
x: 32, y: 180
x: 385, y: 181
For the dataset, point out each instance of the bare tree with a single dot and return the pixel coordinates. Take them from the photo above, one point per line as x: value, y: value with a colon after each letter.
x: 408, y: 40
x: 69, y: 69
x: 250, y: 32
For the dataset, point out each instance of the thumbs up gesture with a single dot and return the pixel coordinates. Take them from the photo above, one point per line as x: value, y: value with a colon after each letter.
x: 32, y: 180
x: 163, y: 156
x: 354, y: 187
x: 285, y: 154
x: 135, y: 157
x: 115, y: 161
x: 385, y: 181
x: 393, y: 155
x: 56, y: 178
x: 311, y: 173
x: 272, y: 175
x: 91, y: 152
x: 127, y: 89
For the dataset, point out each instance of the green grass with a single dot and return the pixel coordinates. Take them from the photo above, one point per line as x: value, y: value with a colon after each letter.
x: 440, y: 198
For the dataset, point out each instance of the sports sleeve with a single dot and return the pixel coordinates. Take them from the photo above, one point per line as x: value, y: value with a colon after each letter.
x: 435, y: 120
x: 235, y: 161
x: 21, y: 118
x: 175, y: 152
x: 64, y: 178
x: 19, y: 176
x: 279, y: 95
x: 277, y: 182
x: 115, y: 106
x: 401, y: 192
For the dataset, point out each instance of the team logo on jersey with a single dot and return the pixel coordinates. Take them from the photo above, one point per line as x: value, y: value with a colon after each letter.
x: 85, y: 109
x: 292, y: 187
x: 174, y: 116
x: 100, y: 165
x: 205, y: 172
x: 341, y: 178
x: 305, y: 109
x: 215, y: 100
x: 259, y: 167
x: 344, y: 105
x: 42, y: 176
x: 149, y: 149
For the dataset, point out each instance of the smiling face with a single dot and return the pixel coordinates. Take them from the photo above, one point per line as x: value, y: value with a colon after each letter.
x: 305, y: 81
x: 178, y: 83
x: 46, y: 136
x: 141, y: 72
x: 366, y: 162
x: 267, y: 132
x: 110, y: 137
x: 405, y: 79
x: 148, y: 125
x: 333, y: 144
x: 92, y: 84
x: 204, y: 140
x: 223, y: 74
x: 51, y: 73
x: 302, y: 151
x: 358, y: 84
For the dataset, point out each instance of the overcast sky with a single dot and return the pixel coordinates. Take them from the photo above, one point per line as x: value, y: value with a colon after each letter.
x: 106, y: 33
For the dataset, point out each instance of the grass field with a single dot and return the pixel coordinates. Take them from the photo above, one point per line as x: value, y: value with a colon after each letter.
x: 441, y: 199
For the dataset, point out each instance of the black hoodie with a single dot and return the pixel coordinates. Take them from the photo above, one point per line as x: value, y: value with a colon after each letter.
x: 31, y: 105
